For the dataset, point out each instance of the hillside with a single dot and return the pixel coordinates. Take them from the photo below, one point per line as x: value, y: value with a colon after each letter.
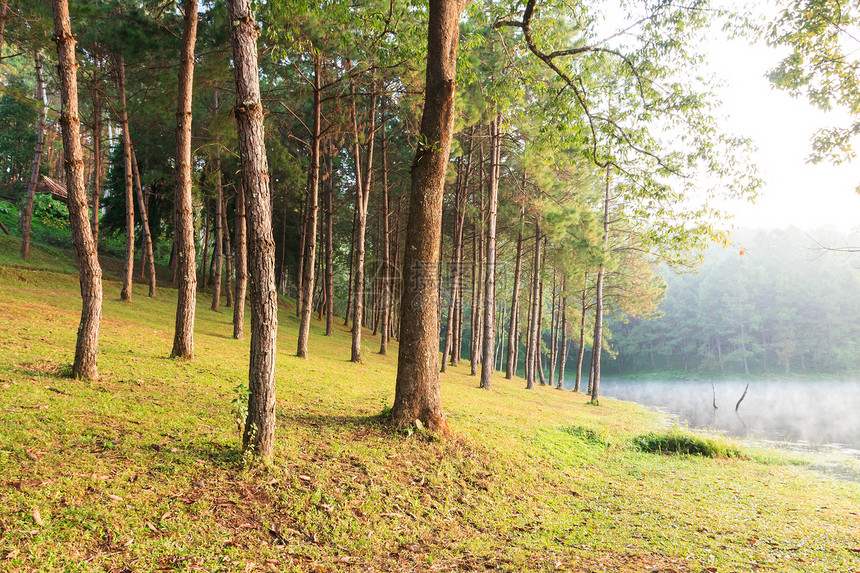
x: 140, y: 470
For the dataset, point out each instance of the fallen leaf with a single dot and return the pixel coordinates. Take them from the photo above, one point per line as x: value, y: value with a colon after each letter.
x: 12, y: 554
x: 37, y: 517
x: 114, y: 497
x: 304, y: 477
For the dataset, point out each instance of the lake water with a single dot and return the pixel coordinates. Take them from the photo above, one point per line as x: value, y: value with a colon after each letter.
x: 825, y: 414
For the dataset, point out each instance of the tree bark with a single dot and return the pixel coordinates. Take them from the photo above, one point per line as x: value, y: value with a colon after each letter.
x: 148, y: 251
x: 128, y: 270
x: 241, y: 263
x: 538, y: 356
x: 418, y: 393
x: 37, y: 156
x: 86, y: 350
x: 513, y: 347
x: 311, y: 215
x: 259, y: 434
x: 581, y: 356
x: 488, y: 359
x: 349, y: 282
x: 362, y: 181
x: 186, y: 254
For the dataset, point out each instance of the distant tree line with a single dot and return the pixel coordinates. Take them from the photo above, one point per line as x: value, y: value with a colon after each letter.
x: 779, y: 303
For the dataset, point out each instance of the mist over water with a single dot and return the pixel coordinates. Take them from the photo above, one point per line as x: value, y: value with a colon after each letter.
x: 814, y: 413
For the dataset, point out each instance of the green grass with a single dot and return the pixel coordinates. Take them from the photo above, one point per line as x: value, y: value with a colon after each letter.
x: 140, y: 470
x: 687, y: 443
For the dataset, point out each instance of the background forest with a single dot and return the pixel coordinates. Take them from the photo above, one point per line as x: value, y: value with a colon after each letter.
x: 781, y: 303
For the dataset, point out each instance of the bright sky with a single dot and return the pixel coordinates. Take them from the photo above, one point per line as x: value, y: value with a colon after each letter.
x: 795, y: 192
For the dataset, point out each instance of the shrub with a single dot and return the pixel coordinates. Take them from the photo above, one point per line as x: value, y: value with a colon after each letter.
x: 686, y: 443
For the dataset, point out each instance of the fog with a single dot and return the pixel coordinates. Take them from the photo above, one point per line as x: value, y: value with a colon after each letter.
x: 815, y: 413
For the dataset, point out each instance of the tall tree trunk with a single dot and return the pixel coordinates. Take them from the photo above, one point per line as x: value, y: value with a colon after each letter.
x: 385, y: 315
x: 562, y: 354
x: 513, y: 347
x: 453, y: 270
x: 148, y: 251
x: 128, y: 271
x: 303, y: 228
x: 37, y: 156
x: 4, y: 10
x: 598, y: 308
x: 362, y: 181
x: 538, y: 357
x: 553, y: 328
x: 241, y: 262
x: 97, y: 146
x: 351, y: 264
x: 489, y: 348
x: 217, y: 258
x: 206, y: 223
x: 311, y: 211
x: 329, y: 239
x: 186, y: 254
x: 86, y: 350
x: 259, y: 435
x: 418, y: 394
x: 581, y: 355
x: 228, y: 260
x: 533, y: 336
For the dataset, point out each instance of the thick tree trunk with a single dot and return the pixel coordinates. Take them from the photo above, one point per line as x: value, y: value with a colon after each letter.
x: 186, y: 254
x: 37, y: 156
x: 418, y: 394
x: 532, y: 338
x: 128, y: 271
x: 488, y: 359
x: 513, y: 347
x: 241, y: 262
x: 311, y: 212
x: 259, y: 435
x: 86, y: 349
x: 597, y: 344
x: 329, y: 241
x: 148, y: 251
x: 362, y: 181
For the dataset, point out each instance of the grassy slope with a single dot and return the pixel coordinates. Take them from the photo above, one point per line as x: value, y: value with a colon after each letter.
x: 139, y: 471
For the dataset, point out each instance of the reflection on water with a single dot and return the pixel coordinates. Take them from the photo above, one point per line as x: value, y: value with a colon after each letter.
x: 816, y: 413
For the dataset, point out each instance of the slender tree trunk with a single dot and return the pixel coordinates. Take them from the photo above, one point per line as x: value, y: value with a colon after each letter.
x: 539, y: 352
x: 86, y: 350
x: 128, y: 272
x: 488, y: 359
x: 581, y: 356
x: 241, y: 262
x: 311, y: 212
x: 598, y: 312
x: 206, y: 222
x: 259, y: 435
x: 186, y: 255
x: 418, y: 394
x: 37, y: 156
x: 452, y: 271
x: 148, y: 251
x: 329, y: 241
x: 533, y: 338
x: 217, y: 257
x: 4, y: 9
x: 228, y: 259
x: 97, y: 146
x: 513, y: 347
x: 351, y: 264
x: 562, y: 354
x: 363, y: 179
x: 553, y: 329
x: 303, y: 227
x: 385, y: 314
